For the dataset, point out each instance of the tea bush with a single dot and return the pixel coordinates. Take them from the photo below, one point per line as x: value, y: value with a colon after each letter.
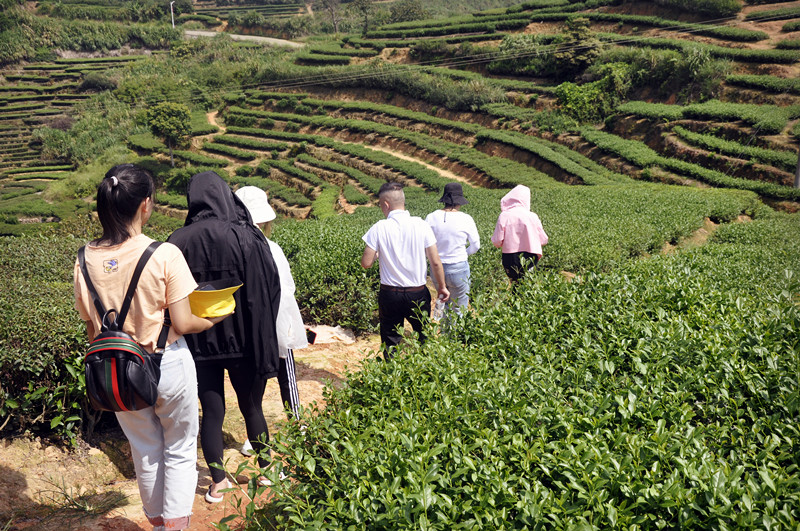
x: 663, y: 394
x: 774, y: 14
x: 770, y: 83
x: 640, y: 154
x: 785, y: 160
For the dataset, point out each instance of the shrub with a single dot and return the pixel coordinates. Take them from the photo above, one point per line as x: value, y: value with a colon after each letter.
x: 145, y: 142
x: 96, y: 81
x: 41, y: 338
x: 788, y: 44
x: 491, y: 431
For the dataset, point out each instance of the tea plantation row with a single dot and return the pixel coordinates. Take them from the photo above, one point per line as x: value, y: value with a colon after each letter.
x: 661, y: 395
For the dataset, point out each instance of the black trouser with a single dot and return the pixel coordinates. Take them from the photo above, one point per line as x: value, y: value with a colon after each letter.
x: 249, y: 393
x: 397, y: 304
x: 514, y: 266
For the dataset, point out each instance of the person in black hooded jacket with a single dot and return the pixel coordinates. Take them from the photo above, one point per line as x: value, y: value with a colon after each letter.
x: 220, y: 242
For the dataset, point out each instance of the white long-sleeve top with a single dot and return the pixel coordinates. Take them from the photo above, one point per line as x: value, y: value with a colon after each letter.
x: 453, y: 231
x: 289, y: 323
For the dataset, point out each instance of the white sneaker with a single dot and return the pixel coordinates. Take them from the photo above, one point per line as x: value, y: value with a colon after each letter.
x: 246, y: 449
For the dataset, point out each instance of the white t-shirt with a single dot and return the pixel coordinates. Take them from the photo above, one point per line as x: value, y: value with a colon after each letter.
x: 453, y: 230
x: 400, y: 241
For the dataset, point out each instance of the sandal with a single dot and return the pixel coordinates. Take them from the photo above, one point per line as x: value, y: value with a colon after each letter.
x: 266, y: 482
x: 210, y: 498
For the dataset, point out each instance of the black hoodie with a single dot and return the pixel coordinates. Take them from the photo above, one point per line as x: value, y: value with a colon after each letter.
x: 220, y: 241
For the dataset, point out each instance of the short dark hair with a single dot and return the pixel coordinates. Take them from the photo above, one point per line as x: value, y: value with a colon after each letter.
x: 390, y: 187
x: 119, y: 196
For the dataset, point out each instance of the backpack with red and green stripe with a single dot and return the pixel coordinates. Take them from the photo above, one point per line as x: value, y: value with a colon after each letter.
x: 120, y: 374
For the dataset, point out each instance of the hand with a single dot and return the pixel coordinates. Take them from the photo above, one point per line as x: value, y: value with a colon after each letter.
x: 215, y: 320
x: 444, y: 294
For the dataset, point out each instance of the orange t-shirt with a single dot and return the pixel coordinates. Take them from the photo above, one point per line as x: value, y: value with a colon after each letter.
x: 166, y: 279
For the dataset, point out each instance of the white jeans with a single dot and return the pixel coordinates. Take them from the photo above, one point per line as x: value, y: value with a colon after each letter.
x: 163, y: 441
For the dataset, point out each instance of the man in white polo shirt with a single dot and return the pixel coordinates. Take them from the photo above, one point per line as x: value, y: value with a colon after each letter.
x: 402, y: 243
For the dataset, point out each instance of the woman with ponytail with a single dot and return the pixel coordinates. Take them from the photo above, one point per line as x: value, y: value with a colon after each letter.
x: 163, y: 437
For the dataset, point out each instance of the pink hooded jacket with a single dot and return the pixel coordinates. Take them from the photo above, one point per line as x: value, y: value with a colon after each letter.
x: 518, y: 229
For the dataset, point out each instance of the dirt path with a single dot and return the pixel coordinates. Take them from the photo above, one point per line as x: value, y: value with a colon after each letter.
x: 212, y: 119
x: 444, y: 173
x: 34, y: 477
x: 193, y: 34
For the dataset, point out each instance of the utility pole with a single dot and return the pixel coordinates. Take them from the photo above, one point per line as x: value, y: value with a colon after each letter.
x: 172, y: 14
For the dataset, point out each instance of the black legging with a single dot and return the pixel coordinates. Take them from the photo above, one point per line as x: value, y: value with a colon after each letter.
x: 249, y: 393
x: 517, y: 264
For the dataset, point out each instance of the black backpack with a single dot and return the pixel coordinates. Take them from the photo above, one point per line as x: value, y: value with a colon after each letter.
x: 120, y: 374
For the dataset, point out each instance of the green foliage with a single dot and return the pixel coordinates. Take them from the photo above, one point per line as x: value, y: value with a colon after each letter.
x: 785, y: 160
x: 747, y: 55
x: 250, y: 143
x: 229, y: 151
x: 768, y: 83
x: 774, y: 14
x: 331, y: 49
x: 788, y: 44
x: 791, y: 26
x: 145, y: 142
x: 289, y: 168
x: 500, y: 170
x: 199, y: 159
x: 104, y: 122
x: 324, y: 205
x: 692, y: 74
x: 289, y: 195
x: 577, y: 50
x: 96, y: 81
x: 559, y: 407
x: 322, y: 59
x: 41, y: 338
x: 767, y: 119
x: 354, y: 196
x: 200, y: 126
x: 349, y: 295
x: 172, y: 200
x: 592, y: 102
x: 718, y: 8
x: 177, y: 179
x: 644, y: 157
x: 29, y: 34
x: 407, y: 10
x: 370, y: 183
x: 528, y: 54
x: 170, y: 121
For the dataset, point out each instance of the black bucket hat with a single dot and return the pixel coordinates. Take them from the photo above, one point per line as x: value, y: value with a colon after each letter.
x: 453, y: 195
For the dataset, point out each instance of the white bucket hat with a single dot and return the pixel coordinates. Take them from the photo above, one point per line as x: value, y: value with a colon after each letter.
x: 255, y: 199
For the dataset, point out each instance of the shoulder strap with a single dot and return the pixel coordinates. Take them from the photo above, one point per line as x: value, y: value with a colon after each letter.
x: 126, y: 304
x: 92, y: 291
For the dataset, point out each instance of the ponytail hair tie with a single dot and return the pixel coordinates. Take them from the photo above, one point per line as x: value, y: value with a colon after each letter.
x: 114, y: 181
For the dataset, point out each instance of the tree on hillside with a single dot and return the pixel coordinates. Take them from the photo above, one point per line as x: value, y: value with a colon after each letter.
x: 365, y: 9
x: 578, y: 50
x: 171, y: 122
x: 407, y: 10
x: 332, y: 7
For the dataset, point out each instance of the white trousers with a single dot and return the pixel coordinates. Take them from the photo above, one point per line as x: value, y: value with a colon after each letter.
x: 163, y: 441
